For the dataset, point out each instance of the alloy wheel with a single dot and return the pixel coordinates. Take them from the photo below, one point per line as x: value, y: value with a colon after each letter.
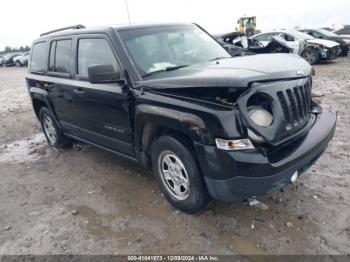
x: 310, y: 57
x: 50, y: 130
x: 174, y: 175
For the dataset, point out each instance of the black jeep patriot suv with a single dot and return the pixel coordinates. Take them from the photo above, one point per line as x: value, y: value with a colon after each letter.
x: 170, y: 98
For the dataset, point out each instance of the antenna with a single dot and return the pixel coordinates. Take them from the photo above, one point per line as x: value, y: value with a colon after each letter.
x: 127, y: 10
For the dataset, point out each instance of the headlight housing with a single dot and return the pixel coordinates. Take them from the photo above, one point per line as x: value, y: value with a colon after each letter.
x: 240, y: 144
x: 260, y: 116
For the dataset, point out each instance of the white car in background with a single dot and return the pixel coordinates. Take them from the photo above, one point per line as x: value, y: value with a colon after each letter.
x: 21, y: 60
x: 310, y: 48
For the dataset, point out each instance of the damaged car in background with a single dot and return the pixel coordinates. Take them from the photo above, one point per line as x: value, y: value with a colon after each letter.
x: 239, y: 43
x: 325, y: 34
x: 171, y: 98
x: 312, y: 49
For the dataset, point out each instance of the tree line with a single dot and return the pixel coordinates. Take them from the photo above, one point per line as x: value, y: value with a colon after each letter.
x: 9, y: 49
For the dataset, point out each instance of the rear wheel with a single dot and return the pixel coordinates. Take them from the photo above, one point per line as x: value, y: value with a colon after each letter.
x: 312, y: 56
x: 177, y: 174
x: 53, y: 133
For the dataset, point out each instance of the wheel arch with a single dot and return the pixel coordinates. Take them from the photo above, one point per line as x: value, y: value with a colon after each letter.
x: 39, y: 99
x: 152, y: 122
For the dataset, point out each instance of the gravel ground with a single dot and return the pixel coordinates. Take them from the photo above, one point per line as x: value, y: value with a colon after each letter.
x: 87, y: 201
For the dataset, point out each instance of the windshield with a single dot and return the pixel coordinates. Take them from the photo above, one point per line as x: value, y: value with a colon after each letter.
x: 326, y: 32
x: 165, y: 48
x: 301, y: 35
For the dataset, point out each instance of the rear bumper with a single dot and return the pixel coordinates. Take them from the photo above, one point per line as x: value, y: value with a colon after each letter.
x: 233, y: 175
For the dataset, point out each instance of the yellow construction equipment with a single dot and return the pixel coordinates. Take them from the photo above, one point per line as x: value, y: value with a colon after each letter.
x: 247, y: 25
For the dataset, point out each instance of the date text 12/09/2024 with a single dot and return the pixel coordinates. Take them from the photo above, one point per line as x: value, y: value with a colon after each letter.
x: 173, y: 258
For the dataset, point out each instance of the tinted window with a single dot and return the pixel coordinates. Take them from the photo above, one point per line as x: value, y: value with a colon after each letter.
x: 63, y: 55
x: 92, y: 52
x: 37, y: 62
x: 52, y: 56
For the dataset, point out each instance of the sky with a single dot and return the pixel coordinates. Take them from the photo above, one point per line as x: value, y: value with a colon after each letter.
x: 24, y: 21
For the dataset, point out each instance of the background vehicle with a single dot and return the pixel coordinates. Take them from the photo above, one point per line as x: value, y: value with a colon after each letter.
x: 324, y: 34
x: 7, y: 59
x: 253, y: 46
x: 21, y: 60
x: 345, y: 30
x: 233, y: 49
x: 172, y: 99
x: 310, y: 48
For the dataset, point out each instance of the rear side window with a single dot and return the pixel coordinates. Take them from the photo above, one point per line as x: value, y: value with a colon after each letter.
x: 60, y: 56
x: 52, y: 56
x: 37, y: 63
x: 94, y: 51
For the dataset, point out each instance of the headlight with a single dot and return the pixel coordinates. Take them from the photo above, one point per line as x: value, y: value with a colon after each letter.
x: 241, y: 144
x: 260, y: 116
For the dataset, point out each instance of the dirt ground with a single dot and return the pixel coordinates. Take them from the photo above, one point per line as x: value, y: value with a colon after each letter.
x: 121, y: 211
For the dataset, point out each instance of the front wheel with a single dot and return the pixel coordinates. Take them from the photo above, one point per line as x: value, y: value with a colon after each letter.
x: 177, y: 174
x: 53, y: 133
x: 312, y: 56
x: 18, y: 64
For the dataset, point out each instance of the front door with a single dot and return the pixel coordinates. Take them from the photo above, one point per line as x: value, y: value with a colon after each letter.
x: 103, y: 109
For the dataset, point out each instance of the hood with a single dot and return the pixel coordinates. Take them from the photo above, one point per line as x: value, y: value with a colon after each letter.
x: 324, y: 42
x: 231, y: 72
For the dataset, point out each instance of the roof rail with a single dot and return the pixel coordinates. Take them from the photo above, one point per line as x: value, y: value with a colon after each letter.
x: 62, y: 29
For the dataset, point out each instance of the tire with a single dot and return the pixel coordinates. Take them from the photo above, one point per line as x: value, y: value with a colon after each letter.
x: 181, y: 181
x: 18, y: 64
x: 312, y: 56
x: 53, y: 133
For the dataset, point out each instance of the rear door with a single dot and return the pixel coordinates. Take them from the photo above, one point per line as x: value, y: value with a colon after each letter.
x: 103, y: 109
x: 60, y: 69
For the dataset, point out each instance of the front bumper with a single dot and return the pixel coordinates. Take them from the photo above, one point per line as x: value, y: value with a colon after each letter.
x: 233, y: 175
x: 330, y: 53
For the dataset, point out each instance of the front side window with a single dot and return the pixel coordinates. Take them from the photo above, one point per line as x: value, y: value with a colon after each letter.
x: 158, y: 49
x: 288, y: 37
x: 326, y: 33
x: 264, y: 37
x: 94, y: 51
x: 37, y: 63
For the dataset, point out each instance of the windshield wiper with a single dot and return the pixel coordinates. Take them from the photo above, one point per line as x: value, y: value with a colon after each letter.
x: 169, y: 68
x: 220, y: 57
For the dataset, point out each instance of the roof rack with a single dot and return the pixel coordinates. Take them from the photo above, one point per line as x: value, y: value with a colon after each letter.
x: 62, y: 29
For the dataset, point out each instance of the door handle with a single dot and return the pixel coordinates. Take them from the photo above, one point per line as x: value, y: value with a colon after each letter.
x: 48, y: 86
x: 78, y: 92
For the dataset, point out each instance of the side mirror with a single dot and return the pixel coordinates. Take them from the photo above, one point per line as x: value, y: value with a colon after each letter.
x: 99, y: 74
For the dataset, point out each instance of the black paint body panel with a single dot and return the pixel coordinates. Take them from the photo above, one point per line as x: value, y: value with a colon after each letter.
x: 114, y: 116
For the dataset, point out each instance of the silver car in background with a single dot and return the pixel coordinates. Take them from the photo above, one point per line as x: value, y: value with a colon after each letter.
x: 310, y: 48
